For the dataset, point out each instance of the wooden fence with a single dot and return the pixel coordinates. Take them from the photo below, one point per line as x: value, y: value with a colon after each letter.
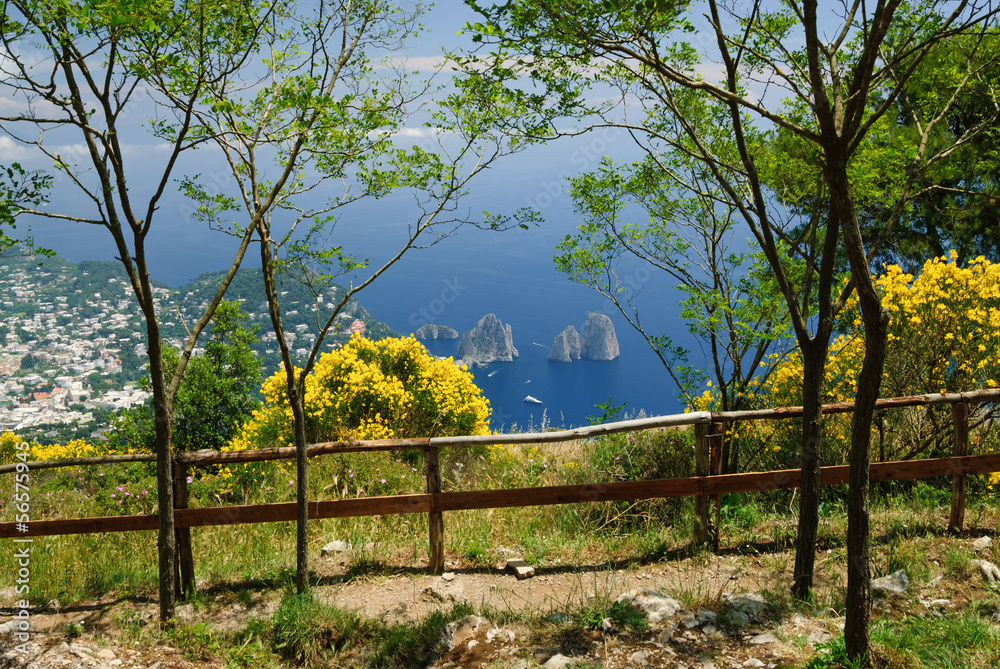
x: 706, y: 486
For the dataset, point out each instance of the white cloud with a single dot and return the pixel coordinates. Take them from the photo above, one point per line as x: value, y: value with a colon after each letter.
x: 417, y: 133
x: 413, y: 63
x: 11, y: 151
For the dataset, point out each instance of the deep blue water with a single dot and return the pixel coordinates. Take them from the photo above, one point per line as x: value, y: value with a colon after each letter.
x: 461, y: 279
x: 512, y: 275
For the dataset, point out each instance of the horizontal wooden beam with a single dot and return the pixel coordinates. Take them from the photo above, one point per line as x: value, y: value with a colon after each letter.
x: 74, y: 462
x: 497, y: 499
x: 210, y: 457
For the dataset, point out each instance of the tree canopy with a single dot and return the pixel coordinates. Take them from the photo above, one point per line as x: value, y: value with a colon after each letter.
x: 713, y: 88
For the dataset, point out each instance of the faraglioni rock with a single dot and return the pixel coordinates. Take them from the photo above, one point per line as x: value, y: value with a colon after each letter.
x: 566, y: 346
x: 489, y: 341
x: 599, y: 341
x: 432, y: 331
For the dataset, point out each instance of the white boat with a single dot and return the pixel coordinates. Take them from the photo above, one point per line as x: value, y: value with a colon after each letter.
x: 495, y: 371
x: 532, y: 400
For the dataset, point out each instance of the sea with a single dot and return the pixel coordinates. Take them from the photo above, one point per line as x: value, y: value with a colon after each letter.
x: 462, y: 277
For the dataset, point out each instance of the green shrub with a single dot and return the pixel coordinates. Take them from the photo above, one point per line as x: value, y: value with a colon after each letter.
x: 643, y: 456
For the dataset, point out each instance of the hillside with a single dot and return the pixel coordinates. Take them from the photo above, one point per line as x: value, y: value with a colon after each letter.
x: 73, y: 344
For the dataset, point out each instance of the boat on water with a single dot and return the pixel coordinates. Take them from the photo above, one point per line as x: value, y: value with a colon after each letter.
x: 495, y: 371
x: 532, y: 400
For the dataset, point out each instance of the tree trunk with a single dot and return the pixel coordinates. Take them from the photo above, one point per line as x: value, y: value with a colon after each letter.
x: 297, y: 399
x: 876, y: 322
x: 813, y: 372
x: 166, y: 543
x: 859, y: 598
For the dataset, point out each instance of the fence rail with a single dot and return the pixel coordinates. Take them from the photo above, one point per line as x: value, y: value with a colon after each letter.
x: 705, y: 487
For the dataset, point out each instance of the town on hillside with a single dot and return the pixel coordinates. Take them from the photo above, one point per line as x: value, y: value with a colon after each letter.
x: 73, y: 343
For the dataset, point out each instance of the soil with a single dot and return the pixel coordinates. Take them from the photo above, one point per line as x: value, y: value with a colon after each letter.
x: 704, y: 634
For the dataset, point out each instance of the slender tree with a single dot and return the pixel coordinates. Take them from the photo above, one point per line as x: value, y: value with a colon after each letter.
x: 329, y: 108
x: 638, y: 212
x: 826, y: 76
x: 77, y: 71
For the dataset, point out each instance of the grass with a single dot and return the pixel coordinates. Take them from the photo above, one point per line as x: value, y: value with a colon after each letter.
x: 305, y: 632
x: 237, y: 563
x: 72, y: 568
x: 949, y: 642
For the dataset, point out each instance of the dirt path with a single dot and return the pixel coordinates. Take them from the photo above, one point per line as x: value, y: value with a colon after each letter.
x: 708, y: 631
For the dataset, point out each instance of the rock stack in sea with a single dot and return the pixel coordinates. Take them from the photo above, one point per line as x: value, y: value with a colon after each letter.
x: 566, y: 346
x: 432, y: 331
x: 490, y: 341
x: 599, y: 341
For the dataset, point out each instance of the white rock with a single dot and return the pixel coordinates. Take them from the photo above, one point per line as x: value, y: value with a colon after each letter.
x: 656, y: 606
x: 448, y: 576
x: 987, y: 569
x: 750, y: 604
x: 764, y: 638
x: 12, y: 626
x: 982, y: 543
x: 461, y: 631
x: 560, y: 662
x: 754, y: 662
x: 639, y: 657
x: 897, y: 583
x: 334, y: 547
x: 688, y: 620
x: 818, y: 636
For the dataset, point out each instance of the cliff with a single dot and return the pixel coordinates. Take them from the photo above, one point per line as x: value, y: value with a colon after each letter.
x: 566, y: 346
x: 489, y: 341
x: 432, y: 331
x: 599, y: 341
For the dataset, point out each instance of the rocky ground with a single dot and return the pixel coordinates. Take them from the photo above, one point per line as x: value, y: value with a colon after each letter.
x: 702, y: 612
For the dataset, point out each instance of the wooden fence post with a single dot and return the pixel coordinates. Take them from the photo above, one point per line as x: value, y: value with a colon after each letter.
x: 184, y: 573
x: 435, y: 517
x: 716, y: 438
x: 702, y: 467
x: 960, y: 447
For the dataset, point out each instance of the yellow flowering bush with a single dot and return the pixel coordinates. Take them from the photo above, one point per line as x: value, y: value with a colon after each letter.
x: 391, y: 388
x: 77, y: 448
x: 944, y: 336
x: 372, y: 390
x: 8, y: 447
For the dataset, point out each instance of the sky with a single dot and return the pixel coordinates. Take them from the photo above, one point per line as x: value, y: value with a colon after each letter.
x: 535, y: 178
x: 511, y: 272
